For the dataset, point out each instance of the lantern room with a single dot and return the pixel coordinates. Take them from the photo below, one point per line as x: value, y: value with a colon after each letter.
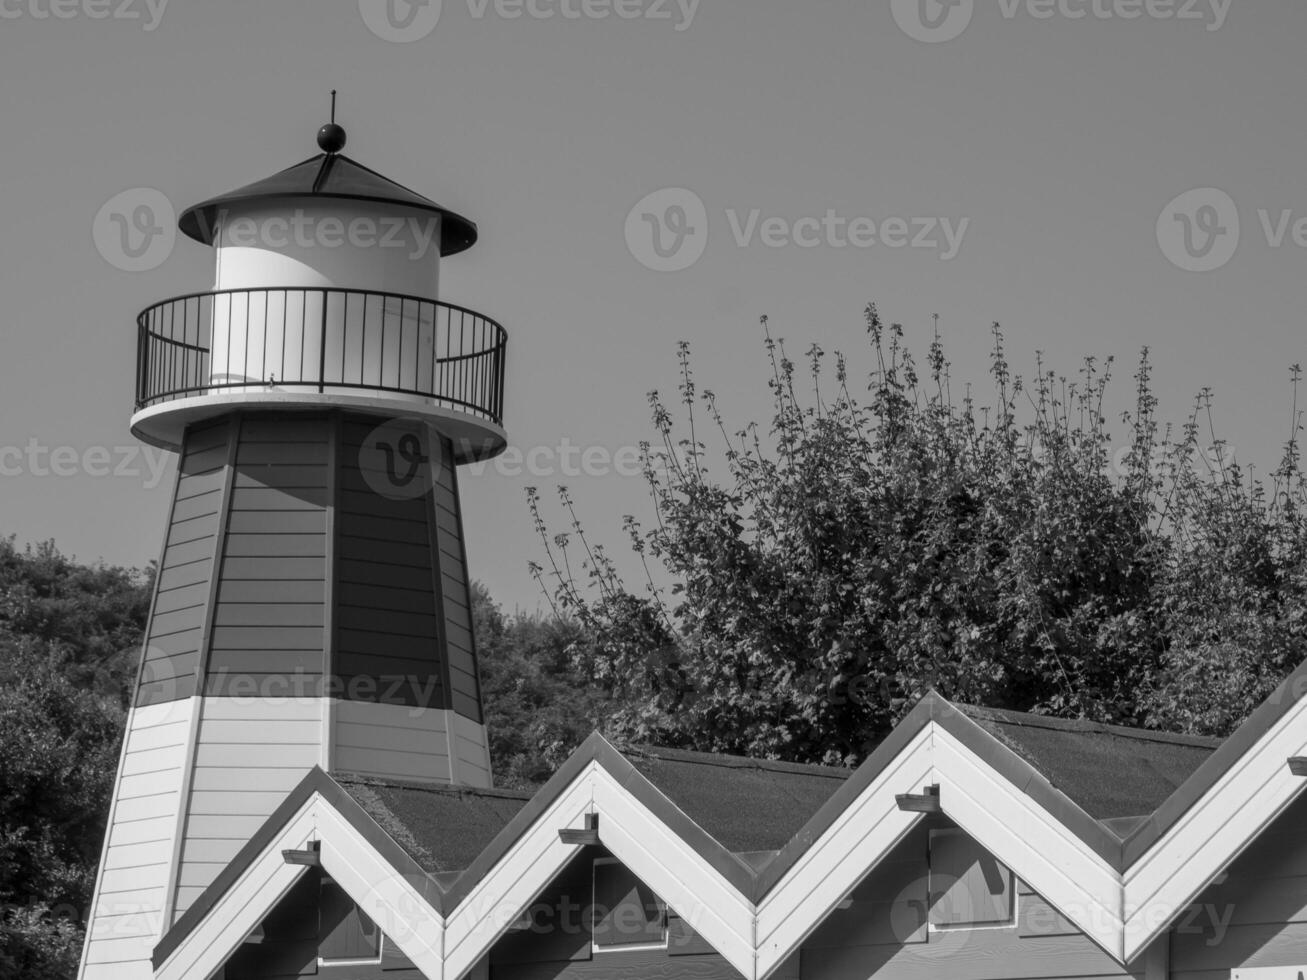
x: 325, y: 295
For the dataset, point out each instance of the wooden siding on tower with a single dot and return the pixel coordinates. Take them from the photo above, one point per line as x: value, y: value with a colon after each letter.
x: 268, y: 632
x: 171, y: 659
x: 387, y: 631
x: 250, y: 753
x: 389, y: 740
x: 465, y: 694
x: 127, y: 912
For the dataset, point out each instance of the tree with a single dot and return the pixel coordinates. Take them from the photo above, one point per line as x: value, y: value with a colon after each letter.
x: 831, y: 569
x: 538, y: 707
x: 70, y: 636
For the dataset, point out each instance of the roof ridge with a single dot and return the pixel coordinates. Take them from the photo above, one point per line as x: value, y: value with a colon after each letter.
x: 444, y: 789
x: 1051, y: 722
x: 726, y: 761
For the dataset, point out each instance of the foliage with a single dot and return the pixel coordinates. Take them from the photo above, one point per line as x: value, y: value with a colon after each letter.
x: 859, y: 552
x: 537, y: 708
x: 70, y: 635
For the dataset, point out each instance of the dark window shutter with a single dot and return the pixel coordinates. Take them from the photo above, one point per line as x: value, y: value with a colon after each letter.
x: 627, y: 912
x: 968, y: 885
x: 346, y: 932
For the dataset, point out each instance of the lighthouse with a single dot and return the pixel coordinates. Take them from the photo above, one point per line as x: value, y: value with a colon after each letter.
x: 312, y: 605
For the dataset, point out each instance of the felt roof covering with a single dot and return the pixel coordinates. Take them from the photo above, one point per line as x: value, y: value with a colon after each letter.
x: 443, y: 828
x: 746, y: 804
x: 1108, y: 770
x: 328, y: 175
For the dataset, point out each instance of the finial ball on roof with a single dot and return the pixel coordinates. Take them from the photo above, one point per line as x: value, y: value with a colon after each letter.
x: 331, y: 138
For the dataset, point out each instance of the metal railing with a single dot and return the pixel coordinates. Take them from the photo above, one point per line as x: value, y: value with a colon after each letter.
x: 321, y: 340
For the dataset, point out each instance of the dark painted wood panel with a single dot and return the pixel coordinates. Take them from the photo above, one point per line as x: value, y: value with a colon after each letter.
x: 378, y: 597
x: 388, y: 529
x: 283, y: 429
x: 177, y: 621
x: 173, y: 644
x: 465, y: 704
x: 370, y: 504
x: 298, y: 477
x: 206, y: 461
x: 265, y: 661
x: 184, y: 575
x: 417, y: 625
x: 164, y: 691
x: 409, y: 647
x: 181, y: 598
x: 184, y: 554
x: 384, y: 575
x: 256, y: 590
x: 276, y: 546
x: 272, y: 498
x: 274, y: 569
x: 206, y: 436
x: 198, y: 505
x: 168, y: 667
x: 194, y: 486
x: 282, y: 453
x: 193, y: 529
x: 278, y: 522
x: 269, y: 614
x: 266, y: 638
x: 392, y: 552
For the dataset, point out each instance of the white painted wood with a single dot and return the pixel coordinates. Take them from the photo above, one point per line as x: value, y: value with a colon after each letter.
x: 127, y: 909
x: 1213, y: 832
x: 244, y: 905
x: 681, y: 877
x: 249, y: 754
x: 390, y: 900
x: 1048, y: 857
x: 509, y: 887
x: 471, y: 748
x: 832, y: 867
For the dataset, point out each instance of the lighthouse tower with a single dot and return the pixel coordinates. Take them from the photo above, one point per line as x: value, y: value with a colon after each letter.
x: 312, y: 605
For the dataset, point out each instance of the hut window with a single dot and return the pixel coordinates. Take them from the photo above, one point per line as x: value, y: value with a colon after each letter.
x: 347, y: 934
x: 968, y: 885
x: 627, y: 914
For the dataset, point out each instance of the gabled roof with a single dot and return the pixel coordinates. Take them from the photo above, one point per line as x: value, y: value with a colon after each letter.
x: 328, y: 175
x: 746, y: 805
x: 1145, y: 767
x: 681, y: 821
x: 443, y: 828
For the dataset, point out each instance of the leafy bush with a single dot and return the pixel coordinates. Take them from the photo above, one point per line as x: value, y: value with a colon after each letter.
x: 829, y: 570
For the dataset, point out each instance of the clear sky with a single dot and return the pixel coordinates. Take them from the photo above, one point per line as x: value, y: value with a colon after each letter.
x: 1051, y: 138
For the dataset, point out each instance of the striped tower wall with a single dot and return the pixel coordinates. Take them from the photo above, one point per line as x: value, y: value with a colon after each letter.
x: 312, y: 608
